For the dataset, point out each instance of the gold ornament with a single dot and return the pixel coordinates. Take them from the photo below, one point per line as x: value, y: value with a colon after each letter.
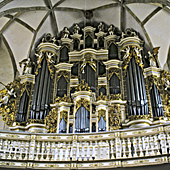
x: 51, y: 121
x: 83, y: 87
x: 102, y: 113
x: 83, y: 102
x: 114, y: 118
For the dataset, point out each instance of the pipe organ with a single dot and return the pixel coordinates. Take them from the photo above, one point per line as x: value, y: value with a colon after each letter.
x: 88, y: 80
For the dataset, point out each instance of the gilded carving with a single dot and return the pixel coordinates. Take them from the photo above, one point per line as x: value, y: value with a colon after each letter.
x: 102, y: 113
x: 51, y: 121
x: 96, y: 136
x: 91, y: 63
x: 28, y: 65
x: 83, y: 102
x: 63, y: 99
x: 114, y: 117
x: 65, y: 74
x: 165, y: 77
x: 54, y: 137
x: 141, y: 161
x: 115, y: 96
x: 114, y: 71
x: 83, y: 86
x: 50, y: 61
x: 8, y: 97
x: 25, y: 87
x: 102, y: 97
x: 96, y: 165
x: 51, y: 165
x: 31, y: 121
x: 128, y: 55
x: 138, y: 56
x: 139, y: 132
x: 136, y: 117
x: 64, y: 115
x: 153, y: 80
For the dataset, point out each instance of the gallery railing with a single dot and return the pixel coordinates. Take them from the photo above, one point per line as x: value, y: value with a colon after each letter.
x: 120, y: 148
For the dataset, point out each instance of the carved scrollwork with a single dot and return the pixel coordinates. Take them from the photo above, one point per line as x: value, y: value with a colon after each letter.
x: 153, y: 80
x: 8, y: 98
x: 30, y: 121
x: 40, y: 57
x: 65, y: 74
x: 138, y: 56
x: 114, y: 117
x: 102, y: 113
x: 83, y: 87
x: 114, y: 71
x: 28, y: 65
x: 63, y: 99
x: 127, y: 58
x: 115, y: 96
x: 86, y: 61
x: 25, y: 87
x: 129, y: 33
x: 64, y: 115
x: 102, y: 97
x: 83, y: 102
x: 48, y: 38
x: 165, y: 77
x: 50, y: 57
x: 137, y: 117
x: 51, y: 121
x: 136, y: 51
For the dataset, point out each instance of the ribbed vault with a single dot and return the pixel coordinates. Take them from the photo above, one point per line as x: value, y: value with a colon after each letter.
x: 23, y: 22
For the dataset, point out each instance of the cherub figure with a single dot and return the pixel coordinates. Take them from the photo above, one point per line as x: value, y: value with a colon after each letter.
x: 50, y: 57
x: 8, y: 95
x: 111, y: 29
x: 151, y: 59
x: 138, y: 53
x: 101, y: 27
x: 65, y: 32
x: 39, y: 56
x: 167, y: 83
x: 127, y: 51
x: 83, y: 65
x: 28, y: 64
x: 76, y: 29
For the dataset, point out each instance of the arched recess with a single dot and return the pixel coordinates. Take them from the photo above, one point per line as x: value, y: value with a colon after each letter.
x: 101, y: 68
x: 64, y: 57
x: 114, y: 84
x: 101, y: 42
x: 156, y: 102
x: 88, y: 42
x: 102, y: 120
x: 76, y: 44
x: 89, y: 76
x: 63, y: 122
x: 136, y: 92
x: 41, y: 94
x: 23, y: 107
x: 62, y: 87
x: 74, y: 70
x: 113, y: 51
x: 82, y: 120
x: 102, y: 90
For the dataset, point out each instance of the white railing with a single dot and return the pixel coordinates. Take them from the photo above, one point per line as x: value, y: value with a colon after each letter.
x: 130, y: 147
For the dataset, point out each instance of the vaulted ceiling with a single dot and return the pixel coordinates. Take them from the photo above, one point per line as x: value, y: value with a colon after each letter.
x: 24, y: 22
